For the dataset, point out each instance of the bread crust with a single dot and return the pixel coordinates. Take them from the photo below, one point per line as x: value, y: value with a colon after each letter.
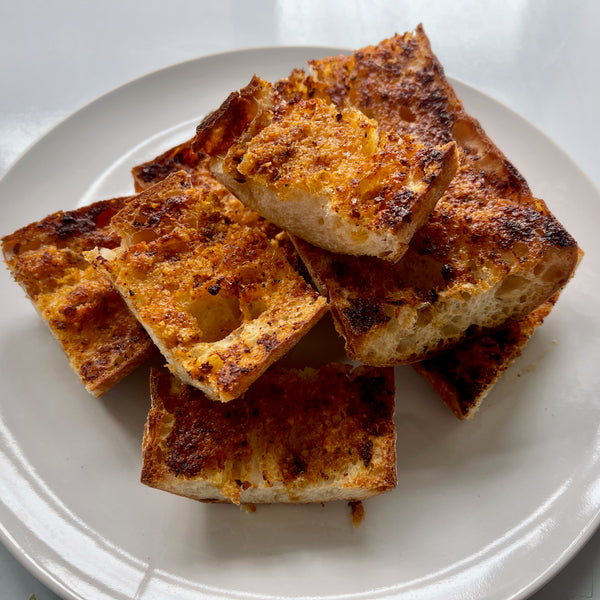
x: 101, y: 338
x: 297, y: 436
x: 218, y: 298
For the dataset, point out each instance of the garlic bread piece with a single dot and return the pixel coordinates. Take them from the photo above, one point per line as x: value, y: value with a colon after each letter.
x: 218, y: 297
x: 298, y: 435
x: 102, y: 339
x: 328, y: 175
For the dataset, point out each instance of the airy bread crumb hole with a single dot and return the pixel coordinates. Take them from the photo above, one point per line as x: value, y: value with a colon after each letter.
x: 217, y: 316
x: 254, y: 309
x: 547, y: 273
x: 424, y: 316
x: 520, y: 250
x: 406, y: 114
x: 143, y: 235
x: 511, y: 285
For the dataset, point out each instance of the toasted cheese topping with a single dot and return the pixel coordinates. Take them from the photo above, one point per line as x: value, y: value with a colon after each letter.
x: 102, y: 339
x: 341, y: 156
x: 218, y: 297
x: 328, y: 175
x: 296, y: 436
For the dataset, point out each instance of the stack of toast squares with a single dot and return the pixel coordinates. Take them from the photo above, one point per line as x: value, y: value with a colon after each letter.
x: 358, y: 186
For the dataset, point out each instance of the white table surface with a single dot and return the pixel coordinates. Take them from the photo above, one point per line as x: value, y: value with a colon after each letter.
x: 541, y: 58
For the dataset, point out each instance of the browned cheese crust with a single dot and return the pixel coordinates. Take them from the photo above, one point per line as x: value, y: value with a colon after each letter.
x: 99, y: 335
x: 489, y: 251
x: 328, y: 174
x: 296, y: 436
x: 218, y: 297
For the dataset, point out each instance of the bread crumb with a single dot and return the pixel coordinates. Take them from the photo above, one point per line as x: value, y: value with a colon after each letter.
x: 251, y: 508
x: 357, y: 512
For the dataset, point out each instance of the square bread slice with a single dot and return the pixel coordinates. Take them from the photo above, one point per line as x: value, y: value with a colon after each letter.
x: 298, y: 435
x: 489, y: 251
x: 327, y: 174
x: 102, y: 339
x: 218, y: 298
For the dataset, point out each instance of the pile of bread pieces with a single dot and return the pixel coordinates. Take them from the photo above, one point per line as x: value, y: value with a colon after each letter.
x: 359, y: 186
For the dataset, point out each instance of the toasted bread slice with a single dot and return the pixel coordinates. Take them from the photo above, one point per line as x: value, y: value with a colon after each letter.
x: 184, y: 158
x: 464, y: 375
x: 297, y: 436
x: 489, y: 251
x: 218, y: 298
x: 101, y: 338
x: 328, y: 175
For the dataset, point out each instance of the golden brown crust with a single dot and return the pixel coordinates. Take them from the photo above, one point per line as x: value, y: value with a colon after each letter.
x: 327, y: 174
x: 218, y: 297
x: 101, y: 338
x: 489, y: 251
x: 296, y: 436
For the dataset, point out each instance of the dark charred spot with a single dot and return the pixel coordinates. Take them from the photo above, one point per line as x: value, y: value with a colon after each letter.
x: 157, y: 171
x: 398, y: 209
x: 399, y: 302
x: 230, y: 373
x: 556, y: 235
x: 214, y: 289
x: 341, y: 270
x: 297, y: 466
x: 72, y: 224
x: 269, y: 341
x: 448, y: 272
x: 365, y: 452
x: 363, y: 314
x: 432, y: 296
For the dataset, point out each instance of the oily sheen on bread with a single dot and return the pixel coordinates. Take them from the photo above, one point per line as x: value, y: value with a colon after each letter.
x: 101, y: 338
x: 218, y: 298
x: 327, y: 174
x: 489, y: 251
x: 297, y: 436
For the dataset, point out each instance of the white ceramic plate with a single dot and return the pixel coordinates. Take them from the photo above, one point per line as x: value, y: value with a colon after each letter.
x: 487, y: 509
